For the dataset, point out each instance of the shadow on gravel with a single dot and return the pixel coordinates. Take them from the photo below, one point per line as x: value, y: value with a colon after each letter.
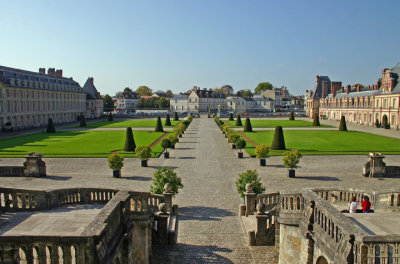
x: 186, y: 158
x: 137, y: 178
x: 186, y: 253
x: 57, y: 178
x: 202, y: 213
x: 169, y: 167
x: 276, y: 166
x: 184, y: 148
x: 318, y: 178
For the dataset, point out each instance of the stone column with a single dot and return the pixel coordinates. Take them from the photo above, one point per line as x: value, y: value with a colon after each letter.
x: 249, y: 199
x: 140, y: 246
x: 34, y: 166
x: 162, y: 225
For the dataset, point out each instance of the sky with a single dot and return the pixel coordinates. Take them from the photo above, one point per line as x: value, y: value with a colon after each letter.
x: 207, y: 43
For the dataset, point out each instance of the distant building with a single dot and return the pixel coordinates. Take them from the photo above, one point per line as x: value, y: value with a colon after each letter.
x: 247, y: 104
x: 205, y: 99
x: 126, y: 102
x: 236, y: 104
x: 179, y: 103
x: 275, y: 94
x: 29, y: 99
x: 94, y: 101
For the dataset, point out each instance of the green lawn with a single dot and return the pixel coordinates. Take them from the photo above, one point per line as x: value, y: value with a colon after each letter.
x: 129, y: 123
x: 76, y: 143
x: 317, y: 142
x: 275, y: 123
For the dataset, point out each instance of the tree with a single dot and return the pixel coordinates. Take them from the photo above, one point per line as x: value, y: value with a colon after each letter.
x: 244, y: 93
x: 226, y: 89
x: 169, y: 94
x: 355, y: 85
x: 342, y: 125
x: 167, y: 121
x: 143, y: 152
x: 316, y: 120
x: 251, y: 177
x: 247, y: 126
x: 108, y: 103
x: 115, y: 161
x: 238, y: 121
x: 129, y: 140
x: 50, y: 127
x: 278, y: 143
x: 110, y: 117
x: 176, y: 118
x: 144, y: 90
x: 163, y: 176
x: 127, y: 90
x: 240, y: 144
x: 262, y: 151
x: 166, y: 143
x: 263, y: 86
x: 159, y: 127
x: 163, y: 103
x: 291, y: 158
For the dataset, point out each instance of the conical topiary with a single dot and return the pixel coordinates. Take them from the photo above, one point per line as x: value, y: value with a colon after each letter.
x: 82, y: 121
x: 291, y: 116
x: 230, y: 117
x: 247, y: 126
x: 279, y: 141
x: 316, y: 120
x: 159, y: 127
x: 238, y: 121
x: 130, y: 144
x: 167, y: 121
x: 50, y: 127
x: 342, y: 125
x: 110, y: 117
x: 176, y: 118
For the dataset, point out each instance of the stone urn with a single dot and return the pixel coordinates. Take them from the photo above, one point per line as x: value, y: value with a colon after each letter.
x: 261, y: 208
x: 249, y: 188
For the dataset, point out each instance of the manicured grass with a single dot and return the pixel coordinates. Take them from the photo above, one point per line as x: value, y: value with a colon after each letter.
x: 77, y: 144
x: 328, y: 142
x: 129, y: 123
x: 275, y: 123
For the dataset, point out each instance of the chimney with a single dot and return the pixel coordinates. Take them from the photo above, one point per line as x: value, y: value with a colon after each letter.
x: 209, y: 89
x: 51, y: 72
x: 342, y: 89
x: 195, y: 88
x: 358, y: 87
x: 317, y: 79
x: 59, y: 73
x: 368, y: 87
x: 42, y: 70
x: 348, y: 89
x: 204, y: 89
x: 198, y: 88
x: 92, y: 80
x: 324, y: 89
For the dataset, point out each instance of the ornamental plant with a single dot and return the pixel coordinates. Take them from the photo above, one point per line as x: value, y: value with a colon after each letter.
x: 316, y: 120
x: 190, y: 118
x: 278, y: 143
x: 167, y: 121
x: 173, y: 138
x: 233, y: 138
x: 176, y: 118
x: 247, y: 125
x: 342, y: 125
x: 262, y: 151
x: 166, y: 144
x: 238, y: 121
x: 115, y: 161
x: 50, y: 127
x: 143, y: 152
x: 163, y: 176
x: 159, y: 127
x: 130, y: 144
x: 291, y: 158
x: 249, y: 176
x: 240, y: 144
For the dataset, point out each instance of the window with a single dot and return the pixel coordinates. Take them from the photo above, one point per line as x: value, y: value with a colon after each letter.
x: 393, y: 120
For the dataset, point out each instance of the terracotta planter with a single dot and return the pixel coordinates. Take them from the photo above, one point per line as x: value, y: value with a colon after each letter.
x: 263, y: 162
x: 143, y: 163
x: 117, y: 173
x: 240, y: 155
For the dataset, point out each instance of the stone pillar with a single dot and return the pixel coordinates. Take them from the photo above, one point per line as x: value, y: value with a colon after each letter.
x: 162, y: 224
x: 250, y: 197
x: 55, y: 259
x: 34, y: 166
x: 67, y: 257
x: 261, y: 231
x: 42, y: 254
x: 377, y: 166
x: 168, y: 196
x: 9, y: 255
x: 140, y: 246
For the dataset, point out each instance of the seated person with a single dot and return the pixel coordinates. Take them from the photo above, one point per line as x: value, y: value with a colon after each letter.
x: 353, y: 205
x: 366, y: 205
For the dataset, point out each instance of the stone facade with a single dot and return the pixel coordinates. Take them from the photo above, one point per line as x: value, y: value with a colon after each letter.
x: 94, y: 101
x: 359, y: 105
x: 126, y: 103
x: 179, y: 103
x: 203, y: 99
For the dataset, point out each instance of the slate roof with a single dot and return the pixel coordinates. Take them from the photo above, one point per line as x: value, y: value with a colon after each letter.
x: 179, y: 97
x: 209, y: 94
x: 318, y: 87
x: 91, y: 90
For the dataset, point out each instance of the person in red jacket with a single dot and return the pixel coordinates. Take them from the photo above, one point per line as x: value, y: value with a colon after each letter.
x: 366, y: 205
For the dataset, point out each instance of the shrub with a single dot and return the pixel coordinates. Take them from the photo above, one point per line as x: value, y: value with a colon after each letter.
x: 247, y: 126
x: 110, y: 117
x: 262, y: 151
x: 233, y: 138
x: 166, y: 143
x: 291, y: 116
x: 50, y: 127
x: 159, y: 127
x: 82, y: 121
x: 130, y: 144
x: 220, y: 122
x: 143, y: 152
x: 316, y: 120
x: 115, y: 161
x: 190, y: 118
x: 167, y: 121
x: 240, y: 144
x: 238, y: 121
x: 186, y: 123
x: 173, y: 138
x: 249, y: 176
x: 291, y: 158
x: 278, y: 142
x: 377, y: 123
x: 176, y: 118
x: 230, y: 117
x: 342, y: 125
x: 163, y: 176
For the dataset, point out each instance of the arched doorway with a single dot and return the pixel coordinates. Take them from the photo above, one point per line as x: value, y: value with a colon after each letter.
x: 384, y: 121
x: 321, y: 260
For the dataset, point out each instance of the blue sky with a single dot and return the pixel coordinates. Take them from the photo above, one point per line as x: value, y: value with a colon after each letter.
x: 178, y: 44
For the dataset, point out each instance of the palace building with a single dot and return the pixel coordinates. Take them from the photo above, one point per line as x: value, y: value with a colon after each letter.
x: 362, y: 105
x: 29, y: 99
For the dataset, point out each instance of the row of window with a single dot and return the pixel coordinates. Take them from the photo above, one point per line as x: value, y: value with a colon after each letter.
x: 28, y: 106
x: 16, y: 93
x: 36, y: 84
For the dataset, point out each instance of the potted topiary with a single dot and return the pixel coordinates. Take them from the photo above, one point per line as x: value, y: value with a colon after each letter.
x: 233, y: 138
x: 167, y: 121
x: 176, y: 118
x: 115, y: 162
x: 247, y: 126
x: 238, y: 121
x: 173, y: 138
x: 290, y: 159
x: 143, y: 153
x: 159, y: 127
x: 249, y: 177
x: 240, y: 144
x: 316, y: 120
x: 230, y: 117
x: 342, y: 125
x: 166, y: 143
x: 262, y: 153
x: 163, y: 176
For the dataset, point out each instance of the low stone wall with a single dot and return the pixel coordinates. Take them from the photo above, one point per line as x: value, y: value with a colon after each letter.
x: 12, y: 171
x: 34, y: 166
